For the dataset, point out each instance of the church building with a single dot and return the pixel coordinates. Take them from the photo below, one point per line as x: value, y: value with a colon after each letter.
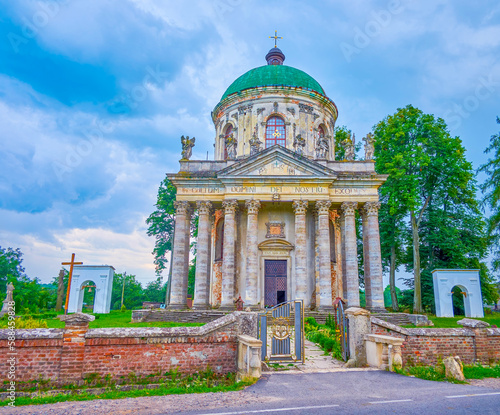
x: 276, y: 210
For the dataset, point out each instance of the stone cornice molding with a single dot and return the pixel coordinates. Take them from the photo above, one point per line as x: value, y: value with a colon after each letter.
x: 253, y: 206
x: 371, y: 208
x: 300, y: 206
x: 349, y: 208
x: 230, y: 206
x: 323, y: 207
x: 204, y: 207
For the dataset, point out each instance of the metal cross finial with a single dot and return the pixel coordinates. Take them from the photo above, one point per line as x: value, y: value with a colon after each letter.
x: 275, y: 37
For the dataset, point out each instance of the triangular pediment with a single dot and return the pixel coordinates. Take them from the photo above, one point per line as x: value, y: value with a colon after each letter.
x: 276, y: 161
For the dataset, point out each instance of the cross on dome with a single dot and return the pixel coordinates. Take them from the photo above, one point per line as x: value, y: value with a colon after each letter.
x: 275, y: 37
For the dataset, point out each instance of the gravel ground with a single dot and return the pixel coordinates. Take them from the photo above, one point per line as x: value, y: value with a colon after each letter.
x: 141, y: 406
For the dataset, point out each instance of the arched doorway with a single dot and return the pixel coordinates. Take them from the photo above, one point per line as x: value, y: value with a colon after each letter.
x: 86, y: 297
x: 459, y: 299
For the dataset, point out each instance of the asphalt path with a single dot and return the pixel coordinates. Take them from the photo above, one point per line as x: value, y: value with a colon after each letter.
x: 360, y: 392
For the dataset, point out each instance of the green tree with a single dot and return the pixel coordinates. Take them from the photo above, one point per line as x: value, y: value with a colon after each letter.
x: 423, y: 161
x: 134, y: 295
x: 155, y: 291
x: 491, y: 190
x: 161, y: 224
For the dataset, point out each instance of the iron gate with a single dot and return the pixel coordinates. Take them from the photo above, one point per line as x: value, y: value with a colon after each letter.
x: 342, y: 329
x: 281, y: 330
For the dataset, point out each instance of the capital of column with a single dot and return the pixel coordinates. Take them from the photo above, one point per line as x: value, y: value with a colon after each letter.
x: 204, y: 207
x: 181, y: 207
x: 253, y: 206
x: 323, y: 207
x: 230, y: 206
x: 371, y: 208
x: 349, y: 208
x: 300, y: 206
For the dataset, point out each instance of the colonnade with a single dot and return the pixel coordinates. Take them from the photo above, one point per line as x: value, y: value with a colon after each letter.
x: 371, y: 254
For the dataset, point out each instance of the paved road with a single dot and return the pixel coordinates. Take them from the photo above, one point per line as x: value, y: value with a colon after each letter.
x: 362, y: 392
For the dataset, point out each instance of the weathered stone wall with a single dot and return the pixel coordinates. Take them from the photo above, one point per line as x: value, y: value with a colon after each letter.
x: 428, y: 345
x: 70, y: 354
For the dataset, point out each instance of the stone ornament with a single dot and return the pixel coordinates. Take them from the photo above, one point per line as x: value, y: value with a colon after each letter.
x: 252, y: 206
x: 348, y: 145
x: 187, y: 147
x: 291, y: 110
x: 8, y: 299
x: 181, y: 207
x: 203, y: 207
x: 323, y: 207
x: 255, y: 143
x: 371, y: 208
x: 260, y: 110
x: 300, y: 206
x: 308, y: 109
x: 275, y: 230
x: 349, y: 208
x: 298, y: 144
x: 369, y: 146
x: 322, y: 147
x: 231, y: 143
x: 76, y: 318
x: 275, y: 107
x: 230, y: 206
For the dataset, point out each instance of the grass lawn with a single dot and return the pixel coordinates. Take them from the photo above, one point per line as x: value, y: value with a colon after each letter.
x: 451, y: 322
x: 117, y: 318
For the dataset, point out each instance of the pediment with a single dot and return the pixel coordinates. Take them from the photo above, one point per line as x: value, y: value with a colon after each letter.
x: 276, y: 161
x: 276, y: 244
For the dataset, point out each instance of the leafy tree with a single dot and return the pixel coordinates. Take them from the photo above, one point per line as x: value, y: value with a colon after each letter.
x: 133, y: 297
x: 30, y: 296
x: 491, y: 189
x: 161, y: 224
x: 423, y: 162
x: 155, y: 291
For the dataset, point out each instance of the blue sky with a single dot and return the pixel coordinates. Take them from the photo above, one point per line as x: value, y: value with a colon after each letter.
x: 94, y: 95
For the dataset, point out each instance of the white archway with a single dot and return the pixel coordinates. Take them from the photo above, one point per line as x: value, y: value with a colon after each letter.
x: 468, y: 281
x: 102, y: 277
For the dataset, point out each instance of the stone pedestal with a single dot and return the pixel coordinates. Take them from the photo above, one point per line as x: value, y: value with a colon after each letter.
x: 202, y: 283
x: 351, y: 253
x: 252, y: 269
x: 325, y: 270
x: 229, y: 254
x: 300, y: 207
x: 180, y: 257
x: 359, y: 326
x: 73, y: 350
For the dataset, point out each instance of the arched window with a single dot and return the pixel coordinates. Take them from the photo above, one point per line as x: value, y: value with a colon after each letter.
x: 321, y: 131
x: 275, y: 132
x: 229, y: 131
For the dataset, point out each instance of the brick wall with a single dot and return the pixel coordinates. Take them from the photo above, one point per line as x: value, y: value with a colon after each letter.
x: 69, y: 355
x: 427, y: 345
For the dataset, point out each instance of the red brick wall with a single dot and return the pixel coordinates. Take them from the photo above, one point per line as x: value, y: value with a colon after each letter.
x: 427, y: 345
x: 71, y: 354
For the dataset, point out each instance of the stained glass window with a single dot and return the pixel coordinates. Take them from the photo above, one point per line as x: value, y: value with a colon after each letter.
x: 275, y: 132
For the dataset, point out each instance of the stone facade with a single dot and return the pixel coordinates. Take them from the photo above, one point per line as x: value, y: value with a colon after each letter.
x: 284, y: 210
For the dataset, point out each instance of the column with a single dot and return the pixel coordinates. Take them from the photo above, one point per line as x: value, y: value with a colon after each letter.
x: 342, y: 253
x: 180, y: 256
x: 252, y: 251
x: 372, y: 246
x: 300, y: 207
x: 202, y: 284
x: 325, y: 271
x: 228, y: 259
x: 366, y: 261
x: 351, y: 253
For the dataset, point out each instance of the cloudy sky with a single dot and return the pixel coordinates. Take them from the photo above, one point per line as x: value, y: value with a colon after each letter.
x: 94, y: 95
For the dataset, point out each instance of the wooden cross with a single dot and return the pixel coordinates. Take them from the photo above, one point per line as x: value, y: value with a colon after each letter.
x: 71, y: 263
x: 275, y: 37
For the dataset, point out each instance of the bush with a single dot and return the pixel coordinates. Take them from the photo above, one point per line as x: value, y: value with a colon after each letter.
x: 123, y: 308
x: 25, y: 323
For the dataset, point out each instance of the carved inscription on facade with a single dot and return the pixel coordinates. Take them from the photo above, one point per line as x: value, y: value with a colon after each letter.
x: 345, y: 191
x: 277, y: 168
x: 189, y: 190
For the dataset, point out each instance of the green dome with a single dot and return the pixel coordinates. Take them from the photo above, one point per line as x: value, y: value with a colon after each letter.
x: 274, y: 75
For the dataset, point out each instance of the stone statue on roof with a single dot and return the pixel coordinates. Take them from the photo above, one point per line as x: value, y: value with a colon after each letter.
x: 369, y: 146
x: 187, y: 147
